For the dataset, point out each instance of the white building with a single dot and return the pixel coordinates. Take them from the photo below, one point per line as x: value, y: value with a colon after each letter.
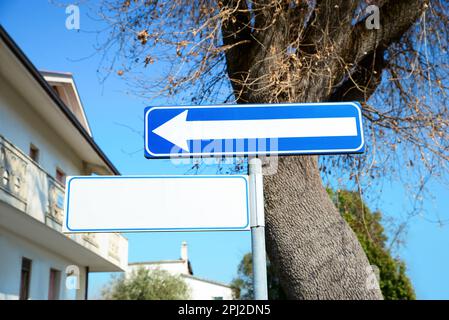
x: 200, y: 288
x: 44, y: 136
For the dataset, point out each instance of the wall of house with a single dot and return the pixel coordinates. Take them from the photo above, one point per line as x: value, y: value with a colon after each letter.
x: 175, y: 267
x: 12, y: 249
x: 204, y: 290
x: 21, y: 125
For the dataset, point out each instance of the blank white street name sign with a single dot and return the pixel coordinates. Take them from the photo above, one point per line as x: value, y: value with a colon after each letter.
x: 156, y: 203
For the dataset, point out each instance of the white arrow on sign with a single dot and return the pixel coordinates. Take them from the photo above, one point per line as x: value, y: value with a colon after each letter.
x: 179, y: 131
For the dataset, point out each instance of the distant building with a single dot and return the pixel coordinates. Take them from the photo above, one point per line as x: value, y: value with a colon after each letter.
x: 201, y: 289
x: 45, y: 136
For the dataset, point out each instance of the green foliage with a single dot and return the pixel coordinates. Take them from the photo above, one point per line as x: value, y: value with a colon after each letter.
x: 394, y: 282
x: 242, y: 286
x: 143, y: 284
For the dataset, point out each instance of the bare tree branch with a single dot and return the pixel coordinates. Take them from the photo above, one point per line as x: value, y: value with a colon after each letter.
x: 397, y: 16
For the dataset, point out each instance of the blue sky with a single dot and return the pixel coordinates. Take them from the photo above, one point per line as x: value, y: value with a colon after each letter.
x: 116, y: 119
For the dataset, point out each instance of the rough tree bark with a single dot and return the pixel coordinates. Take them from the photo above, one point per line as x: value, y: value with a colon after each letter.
x: 317, y: 254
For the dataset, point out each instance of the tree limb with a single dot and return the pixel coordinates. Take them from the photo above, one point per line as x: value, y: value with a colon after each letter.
x: 396, y: 16
x: 361, y: 83
x: 330, y: 18
x: 236, y: 34
x: 365, y: 48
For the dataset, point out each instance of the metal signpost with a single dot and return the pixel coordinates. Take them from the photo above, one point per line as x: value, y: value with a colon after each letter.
x: 102, y: 204
x: 258, y: 229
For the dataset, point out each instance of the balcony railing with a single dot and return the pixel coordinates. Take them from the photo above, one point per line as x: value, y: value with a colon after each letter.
x: 28, y: 187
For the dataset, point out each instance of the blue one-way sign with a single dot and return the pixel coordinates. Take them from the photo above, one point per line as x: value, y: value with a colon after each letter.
x: 236, y: 130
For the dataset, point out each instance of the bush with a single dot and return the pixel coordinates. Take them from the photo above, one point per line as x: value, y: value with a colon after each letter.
x: 144, y: 284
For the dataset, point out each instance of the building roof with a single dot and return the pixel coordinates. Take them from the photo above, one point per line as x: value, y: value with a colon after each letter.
x: 205, y: 280
x: 39, y: 79
x: 156, y: 262
x: 64, y: 85
x: 142, y: 263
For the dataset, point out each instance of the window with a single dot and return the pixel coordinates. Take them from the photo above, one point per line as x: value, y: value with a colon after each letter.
x: 5, y: 178
x: 34, y: 153
x: 60, y: 176
x: 53, y: 286
x: 25, y: 278
x: 17, y: 184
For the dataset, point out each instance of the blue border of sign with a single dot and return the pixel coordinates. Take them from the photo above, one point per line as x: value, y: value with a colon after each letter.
x: 151, y: 155
x: 242, y: 228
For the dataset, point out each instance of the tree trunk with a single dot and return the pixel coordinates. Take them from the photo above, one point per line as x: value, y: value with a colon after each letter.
x: 317, y: 255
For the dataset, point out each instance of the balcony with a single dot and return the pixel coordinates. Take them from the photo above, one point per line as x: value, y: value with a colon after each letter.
x: 29, y: 189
